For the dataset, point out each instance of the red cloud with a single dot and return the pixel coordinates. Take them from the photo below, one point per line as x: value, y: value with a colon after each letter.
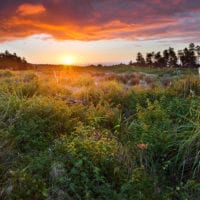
x: 105, y: 19
x: 30, y: 9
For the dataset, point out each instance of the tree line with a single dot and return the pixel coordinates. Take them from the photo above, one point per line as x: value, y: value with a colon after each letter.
x: 12, y: 61
x: 189, y: 57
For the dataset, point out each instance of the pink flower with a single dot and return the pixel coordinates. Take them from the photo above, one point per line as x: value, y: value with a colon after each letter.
x: 142, y: 146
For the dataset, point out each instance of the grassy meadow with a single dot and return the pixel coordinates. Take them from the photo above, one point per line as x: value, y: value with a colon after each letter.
x: 120, y: 132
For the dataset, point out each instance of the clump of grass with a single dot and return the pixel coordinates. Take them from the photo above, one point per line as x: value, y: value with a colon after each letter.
x: 166, y: 82
x: 5, y: 74
x: 125, y: 78
x: 188, y: 86
x: 134, y: 81
x: 25, y: 85
x: 53, y: 89
x: 80, y: 81
x: 149, y: 79
x: 188, y: 152
x: 110, y: 91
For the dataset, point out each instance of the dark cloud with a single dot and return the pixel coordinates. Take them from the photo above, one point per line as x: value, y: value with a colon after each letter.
x: 99, y: 19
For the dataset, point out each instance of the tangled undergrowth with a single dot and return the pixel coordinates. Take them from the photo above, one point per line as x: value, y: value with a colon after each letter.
x: 77, y: 138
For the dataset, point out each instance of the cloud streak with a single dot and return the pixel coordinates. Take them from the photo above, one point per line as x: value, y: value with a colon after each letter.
x: 30, y: 9
x: 88, y: 20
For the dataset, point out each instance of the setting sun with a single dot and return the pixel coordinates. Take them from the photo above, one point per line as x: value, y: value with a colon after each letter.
x: 68, y: 61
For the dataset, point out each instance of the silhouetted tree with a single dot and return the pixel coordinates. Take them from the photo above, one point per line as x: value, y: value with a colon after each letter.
x: 166, y: 57
x: 24, y: 60
x: 187, y: 56
x: 140, y: 59
x: 158, y: 60
x: 197, y: 49
x: 12, y: 61
x: 149, y: 57
x: 172, y: 62
x: 7, y: 53
x: 184, y: 55
x: 192, y: 57
x: 131, y: 62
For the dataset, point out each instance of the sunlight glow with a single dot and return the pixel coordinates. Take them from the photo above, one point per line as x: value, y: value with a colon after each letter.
x: 68, y: 61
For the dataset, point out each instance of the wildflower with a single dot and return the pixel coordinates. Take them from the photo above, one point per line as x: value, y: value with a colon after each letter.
x: 142, y: 146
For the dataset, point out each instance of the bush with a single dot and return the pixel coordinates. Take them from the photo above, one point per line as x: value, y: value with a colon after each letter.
x: 33, y: 128
x: 89, y: 166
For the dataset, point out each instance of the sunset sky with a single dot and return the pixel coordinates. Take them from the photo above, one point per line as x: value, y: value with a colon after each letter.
x: 96, y: 31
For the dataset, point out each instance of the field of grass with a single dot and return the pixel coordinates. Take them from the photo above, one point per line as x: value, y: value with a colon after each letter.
x: 100, y: 133
x: 149, y: 70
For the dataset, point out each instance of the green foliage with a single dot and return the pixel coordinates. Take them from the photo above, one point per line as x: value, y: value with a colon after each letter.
x: 82, y: 139
x: 25, y: 185
x: 33, y: 122
x: 140, y: 186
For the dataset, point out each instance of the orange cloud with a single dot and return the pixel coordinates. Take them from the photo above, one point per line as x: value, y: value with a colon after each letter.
x: 95, y: 20
x: 30, y: 9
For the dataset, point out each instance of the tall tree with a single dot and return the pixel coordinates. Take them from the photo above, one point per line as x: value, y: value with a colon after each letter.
x: 197, y: 48
x: 192, y: 57
x: 172, y: 62
x: 158, y: 60
x: 166, y: 57
x: 187, y: 56
x: 149, y: 60
x: 140, y: 59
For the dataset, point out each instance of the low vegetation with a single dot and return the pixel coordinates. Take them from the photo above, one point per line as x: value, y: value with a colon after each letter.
x: 100, y: 134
